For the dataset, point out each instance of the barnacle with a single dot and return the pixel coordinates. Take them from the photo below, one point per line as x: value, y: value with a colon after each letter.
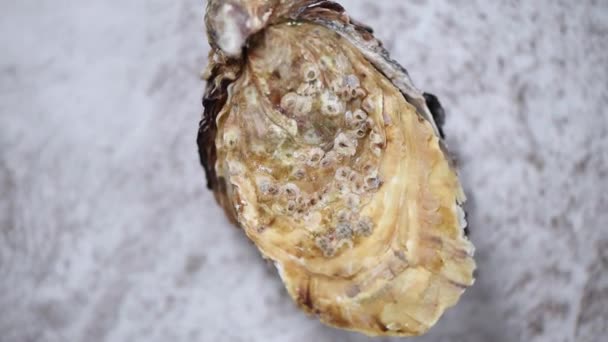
x: 318, y: 145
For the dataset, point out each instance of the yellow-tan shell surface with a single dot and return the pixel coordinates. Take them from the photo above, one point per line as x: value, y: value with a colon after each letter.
x: 340, y: 181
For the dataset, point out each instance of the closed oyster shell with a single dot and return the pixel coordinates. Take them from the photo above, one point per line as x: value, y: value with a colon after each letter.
x: 318, y: 145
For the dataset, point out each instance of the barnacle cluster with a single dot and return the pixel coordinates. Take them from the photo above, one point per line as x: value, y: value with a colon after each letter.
x: 321, y: 149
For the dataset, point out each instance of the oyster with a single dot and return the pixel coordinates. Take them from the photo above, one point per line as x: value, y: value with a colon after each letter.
x: 317, y: 144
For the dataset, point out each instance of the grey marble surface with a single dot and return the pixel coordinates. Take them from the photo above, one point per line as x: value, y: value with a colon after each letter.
x: 108, y: 234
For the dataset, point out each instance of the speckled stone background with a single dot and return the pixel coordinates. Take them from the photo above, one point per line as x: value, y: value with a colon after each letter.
x: 108, y: 234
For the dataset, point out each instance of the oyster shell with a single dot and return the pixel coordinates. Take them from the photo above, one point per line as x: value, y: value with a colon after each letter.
x: 317, y: 144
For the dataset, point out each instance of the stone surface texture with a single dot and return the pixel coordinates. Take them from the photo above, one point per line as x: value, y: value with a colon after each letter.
x: 107, y: 232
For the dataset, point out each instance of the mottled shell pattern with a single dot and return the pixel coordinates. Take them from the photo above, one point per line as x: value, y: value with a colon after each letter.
x: 317, y: 144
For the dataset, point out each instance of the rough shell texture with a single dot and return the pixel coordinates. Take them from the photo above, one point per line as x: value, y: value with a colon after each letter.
x: 318, y: 145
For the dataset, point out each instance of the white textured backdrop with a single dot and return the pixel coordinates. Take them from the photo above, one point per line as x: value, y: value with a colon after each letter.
x: 108, y: 234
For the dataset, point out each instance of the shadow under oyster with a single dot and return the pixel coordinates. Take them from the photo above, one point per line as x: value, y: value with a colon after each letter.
x: 318, y: 145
